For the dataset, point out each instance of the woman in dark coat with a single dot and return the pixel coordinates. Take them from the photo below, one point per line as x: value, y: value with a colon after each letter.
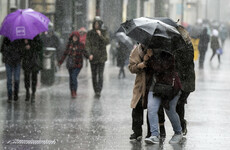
x: 32, y: 64
x: 203, y: 46
x: 75, y: 51
x: 215, y: 44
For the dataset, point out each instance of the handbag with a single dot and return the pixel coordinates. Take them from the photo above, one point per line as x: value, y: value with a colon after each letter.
x: 70, y: 62
x: 219, y: 51
x: 164, y: 90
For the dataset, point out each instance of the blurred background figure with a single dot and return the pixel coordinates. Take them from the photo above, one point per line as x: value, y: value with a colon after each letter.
x: 215, y: 45
x: 123, y: 47
x: 223, y: 34
x: 194, y: 33
x: 113, y: 49
x: 51, y: 39
x: 203, y: 46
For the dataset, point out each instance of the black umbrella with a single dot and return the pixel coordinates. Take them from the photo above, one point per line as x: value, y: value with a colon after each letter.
x: 166, y: 20
x: 143, y: 30
x: 123, y: 38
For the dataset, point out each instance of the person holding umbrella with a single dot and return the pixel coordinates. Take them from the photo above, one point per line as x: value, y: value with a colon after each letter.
x: 12, y: 54
x: 24, y: 25
x: 157, y: 35
x: 11, y: 51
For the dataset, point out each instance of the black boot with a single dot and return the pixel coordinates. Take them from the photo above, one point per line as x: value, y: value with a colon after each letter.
x: 162, y: 131
x: 184, y: 127
x: 16, y: 89
x: 27, y: 95
x: 32, y: 97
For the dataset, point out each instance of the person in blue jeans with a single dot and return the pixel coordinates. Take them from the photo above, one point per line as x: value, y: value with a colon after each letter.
x: 12, y: 54
x: 74, y: 51
x: 161, y: 69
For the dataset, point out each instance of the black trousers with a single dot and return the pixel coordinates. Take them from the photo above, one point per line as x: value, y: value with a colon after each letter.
x: 137, y: 118
x: 180, y: 107
x: 97, y: 76
x: 28, y: 76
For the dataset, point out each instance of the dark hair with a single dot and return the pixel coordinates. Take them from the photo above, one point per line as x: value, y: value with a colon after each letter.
x: 98, y: 20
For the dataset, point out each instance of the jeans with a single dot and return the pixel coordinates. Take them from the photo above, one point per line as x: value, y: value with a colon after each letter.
x: 73, y: 74
x: 13, y: 71
x: 154, y: 103
x: 97, y: 76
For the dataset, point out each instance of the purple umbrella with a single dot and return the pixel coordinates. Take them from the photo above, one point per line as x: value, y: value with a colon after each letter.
x: 24, y: 24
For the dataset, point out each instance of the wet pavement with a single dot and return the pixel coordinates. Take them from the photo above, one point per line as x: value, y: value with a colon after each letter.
x: 56, y: 121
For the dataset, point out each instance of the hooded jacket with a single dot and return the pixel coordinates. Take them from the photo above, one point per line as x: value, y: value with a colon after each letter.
x: 96, y: 45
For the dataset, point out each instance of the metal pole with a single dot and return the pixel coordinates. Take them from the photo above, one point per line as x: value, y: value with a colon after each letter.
x: 182, y: 11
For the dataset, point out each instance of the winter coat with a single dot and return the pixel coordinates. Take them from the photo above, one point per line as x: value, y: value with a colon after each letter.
x: 215, y: 43
x: 32, y: 58
x: 96, y: 45
x: 12, y: 51
x: 139, y: 90
x: 184, y: 55
x: 76, y: 51
x: 204, y: 40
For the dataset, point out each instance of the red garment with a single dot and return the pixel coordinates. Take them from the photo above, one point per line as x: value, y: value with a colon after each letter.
x: 83, y: 38
x: 83, y: 34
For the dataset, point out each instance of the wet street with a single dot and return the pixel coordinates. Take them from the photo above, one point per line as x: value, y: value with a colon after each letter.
x: 56, y: 121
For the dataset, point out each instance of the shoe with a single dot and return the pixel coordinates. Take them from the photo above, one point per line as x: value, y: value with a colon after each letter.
x: 33, y: 98
x: 135, y: 137
x: 15, y: 97
x: 148, y: 135
x: 176, y: 139
x: 73, y: 94
x: 98, y: 94
x: 184, y: 127
x: 152, y: 140
x: 9, y: 99
x: 27, y: 96
x: 162, y: 131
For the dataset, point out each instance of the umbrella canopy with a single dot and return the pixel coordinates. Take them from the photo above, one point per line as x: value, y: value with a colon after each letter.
x: 144, y: 29
x: 123, y: 38
x: 24, y: 24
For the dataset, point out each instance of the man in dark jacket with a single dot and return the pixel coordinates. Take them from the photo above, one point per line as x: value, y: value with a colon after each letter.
x: 96, y: 42
x: 11, y: 52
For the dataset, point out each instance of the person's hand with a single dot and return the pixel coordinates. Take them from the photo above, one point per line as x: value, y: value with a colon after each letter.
x: 149, y: 52
x: 146, y: 57
x: 98, y: 32
x: 141, y: 65
x: 91, y: 57
x: 28, y: 47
